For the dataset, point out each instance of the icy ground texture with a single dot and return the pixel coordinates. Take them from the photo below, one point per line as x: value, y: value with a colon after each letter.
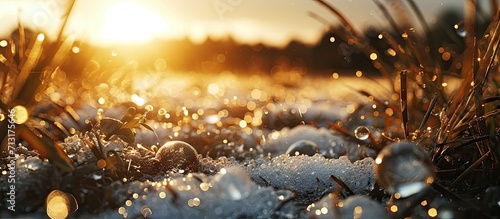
x: 356, y: 206
x: 309, y: 176
x: 259, y: 191
x: 34, y: 180
x: 220, y: 189
x: 228, y: 194
x: 279, y: 141
x: 330, y: 145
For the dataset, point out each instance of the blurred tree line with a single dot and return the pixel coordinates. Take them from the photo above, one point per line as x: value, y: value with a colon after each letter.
x: 215, y: 56
x: 331, y: 53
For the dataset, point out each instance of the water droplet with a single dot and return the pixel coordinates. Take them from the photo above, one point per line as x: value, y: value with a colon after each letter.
x: 60, y: 204
x: 492, y: 200
x: 235, y: 184
x: 178, y: 155
x: 3, y: 43
x: 146, y: 211
x: 304, y: 147
x: 404, y: 168
x: 362, y: 133
x: 460, y: 29
x: 404, y: 35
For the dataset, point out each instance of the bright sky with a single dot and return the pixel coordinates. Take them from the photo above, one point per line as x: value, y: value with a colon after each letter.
x: 250, y: 21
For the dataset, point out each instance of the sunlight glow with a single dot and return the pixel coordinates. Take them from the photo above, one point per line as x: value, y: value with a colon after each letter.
x: 128, y: 22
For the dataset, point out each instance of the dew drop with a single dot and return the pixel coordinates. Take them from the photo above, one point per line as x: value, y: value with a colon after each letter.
x: 304, y: 147
x: 362, y: 133
x: 404, y: 168
x: 60, y: 204
x: 146, y: 211
x: 492, y: 200
x: 235, y: 184
x: 4, y: 43
x: 460, y: 29
x: 178, y: 155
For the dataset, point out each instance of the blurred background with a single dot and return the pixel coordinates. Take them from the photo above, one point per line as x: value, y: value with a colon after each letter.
x: 216, y: 35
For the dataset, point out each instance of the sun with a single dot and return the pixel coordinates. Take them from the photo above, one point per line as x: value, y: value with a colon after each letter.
x: 128, y: 22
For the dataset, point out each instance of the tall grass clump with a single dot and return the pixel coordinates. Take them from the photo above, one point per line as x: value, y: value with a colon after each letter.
x: 28, y: 67
x: 460, y: 128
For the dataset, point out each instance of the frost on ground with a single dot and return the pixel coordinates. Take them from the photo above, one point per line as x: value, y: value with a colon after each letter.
x: 217, y: 188
x: 232, y: 192
x: 309, y: 176
x: 279, y: 141
x: 329, y: 144
x: 356, y: 206
x: 229, y: 194
x: 34, y: 180
x: 231, y: 178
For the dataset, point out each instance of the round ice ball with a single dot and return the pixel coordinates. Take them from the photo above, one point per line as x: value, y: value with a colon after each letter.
x: 303, y: 147
x: 177, y: 156
x: 234, y: 183
x: 404, y: 168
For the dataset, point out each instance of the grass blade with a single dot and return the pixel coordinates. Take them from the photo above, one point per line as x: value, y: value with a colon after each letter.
x: 31, y: 62
x: 47, y: 150
x: 342, y: 184
x: 428, y: 112
x: 404, y: 102
x: 470, y: 169
x: 341, y: 17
